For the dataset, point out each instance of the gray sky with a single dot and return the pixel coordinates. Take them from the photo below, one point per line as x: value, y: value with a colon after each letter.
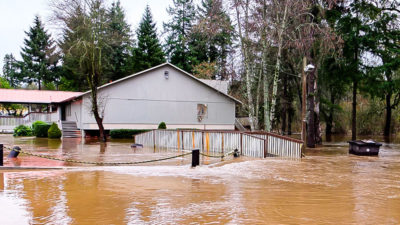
x: 16, y: 16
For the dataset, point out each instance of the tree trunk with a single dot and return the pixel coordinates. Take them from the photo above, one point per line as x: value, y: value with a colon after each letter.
x: 267, y: 124
x: 93, y: 83
x: 284, y: 104
x: 310, y: 110
x: 329, y: 122
x: 266, y: 109
x: 354, y: 112
x: 99, y: 122
x: 277, y: 66
x: 246, y: 54
x: 318, y: 135
x: 388, y: 119
x: 290, y: 119
x: 257, y: 124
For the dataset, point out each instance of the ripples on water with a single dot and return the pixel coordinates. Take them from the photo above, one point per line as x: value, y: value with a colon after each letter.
x: 327, y: 187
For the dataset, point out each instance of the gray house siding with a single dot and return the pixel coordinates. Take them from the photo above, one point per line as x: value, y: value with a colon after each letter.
x: 145, y: 100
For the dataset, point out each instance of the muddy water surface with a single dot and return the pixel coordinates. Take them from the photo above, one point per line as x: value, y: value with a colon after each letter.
x: 327, y: 187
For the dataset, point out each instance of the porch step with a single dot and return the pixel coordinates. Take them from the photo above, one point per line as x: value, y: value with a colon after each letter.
x: 70, y: 130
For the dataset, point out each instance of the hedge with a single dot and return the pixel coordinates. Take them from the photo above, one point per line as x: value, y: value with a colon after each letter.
x: 125, y: 133
x: 22, y: 130
x: 37, y: 122
x: 40, y: 130
x: 54, y: 131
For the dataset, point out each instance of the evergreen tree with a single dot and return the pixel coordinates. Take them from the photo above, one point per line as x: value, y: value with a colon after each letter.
x: 178, y: 29
x: 148, y: 52
x: 4, y: 83
x: 382, y: 38
x: 38, y: 55
x: 211, y: 37
x: 121, y: 45
x: 11, y: 71
x: 73, y: 78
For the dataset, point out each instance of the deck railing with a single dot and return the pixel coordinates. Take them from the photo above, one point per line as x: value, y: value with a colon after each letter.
x: 253, y: 144
x: 10, y: 122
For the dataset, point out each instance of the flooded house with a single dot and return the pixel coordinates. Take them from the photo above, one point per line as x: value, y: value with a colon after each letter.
x: 164, y: 93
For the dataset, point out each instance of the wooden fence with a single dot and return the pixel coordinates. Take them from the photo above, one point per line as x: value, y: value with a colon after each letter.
x: 253, y: 144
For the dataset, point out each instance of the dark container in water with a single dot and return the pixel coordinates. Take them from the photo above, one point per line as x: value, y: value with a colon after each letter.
x: 136, y: 146
x: 195, y: 157
x: 364, y: 147
x: 14, y: 152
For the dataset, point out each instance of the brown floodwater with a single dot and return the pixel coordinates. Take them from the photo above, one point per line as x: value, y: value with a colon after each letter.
x: 328, y: 186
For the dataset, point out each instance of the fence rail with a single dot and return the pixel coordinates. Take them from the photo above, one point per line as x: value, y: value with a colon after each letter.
x: 253, y: 144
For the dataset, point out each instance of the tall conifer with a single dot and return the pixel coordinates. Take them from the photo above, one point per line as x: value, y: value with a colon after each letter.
x: 11, y: 71
x: 178, y: 29
x: 38, y: 55
x: 121, y: 45
x: 148, y: 52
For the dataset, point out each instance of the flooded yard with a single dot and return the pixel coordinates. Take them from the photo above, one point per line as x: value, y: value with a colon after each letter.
x: 328, y: 186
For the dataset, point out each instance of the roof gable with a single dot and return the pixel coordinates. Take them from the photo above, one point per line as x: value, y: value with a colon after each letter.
x: 172, y: 66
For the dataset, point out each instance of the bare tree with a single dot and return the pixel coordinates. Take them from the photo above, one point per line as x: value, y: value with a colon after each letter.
x: 242, y: 9
x: 85, y: 40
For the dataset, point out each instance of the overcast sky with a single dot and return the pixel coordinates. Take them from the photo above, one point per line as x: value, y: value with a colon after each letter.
x: 16, y: 16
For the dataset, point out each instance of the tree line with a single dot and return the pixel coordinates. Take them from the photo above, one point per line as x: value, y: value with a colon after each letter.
x: 257, y: 45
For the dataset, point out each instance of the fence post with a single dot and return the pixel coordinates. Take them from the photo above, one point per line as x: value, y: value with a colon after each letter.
x: 195, y: 157
x: 154, y: 139
x: 178, y: 141
x: 265, y: 148
x: 202, y: 141
x: 1, y: 154
x: 241, y: 143
x: 193, y: 139
x: 222, y: 142
x: 183, y: 141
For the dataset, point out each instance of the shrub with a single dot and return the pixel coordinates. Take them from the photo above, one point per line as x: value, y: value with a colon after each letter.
x: 162, y: 125
x: 22, y: 130
x: 38, y: 122
x: 41, y: 130
x: 54, y: 131
x: 125, y: 133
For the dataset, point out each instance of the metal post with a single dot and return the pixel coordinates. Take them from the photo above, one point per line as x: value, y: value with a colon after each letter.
x: 195, y: 157
x: 1, y: 154
x: 304, y: 105
x: 14, y: 152
x: 154, y: 139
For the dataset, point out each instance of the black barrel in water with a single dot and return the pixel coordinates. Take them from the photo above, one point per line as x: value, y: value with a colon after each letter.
x: 14, y: 152
x: 195, y: 157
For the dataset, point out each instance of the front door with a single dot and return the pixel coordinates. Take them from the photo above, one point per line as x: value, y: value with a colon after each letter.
x: 63, y: 113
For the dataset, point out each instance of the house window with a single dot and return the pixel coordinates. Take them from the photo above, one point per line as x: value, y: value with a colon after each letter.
x: 201, y: 112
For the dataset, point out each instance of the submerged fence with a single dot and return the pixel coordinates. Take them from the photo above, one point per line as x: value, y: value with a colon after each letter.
x: 253, y: 144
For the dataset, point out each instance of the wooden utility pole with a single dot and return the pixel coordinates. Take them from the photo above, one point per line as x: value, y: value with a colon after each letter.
x: 304, y: 105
